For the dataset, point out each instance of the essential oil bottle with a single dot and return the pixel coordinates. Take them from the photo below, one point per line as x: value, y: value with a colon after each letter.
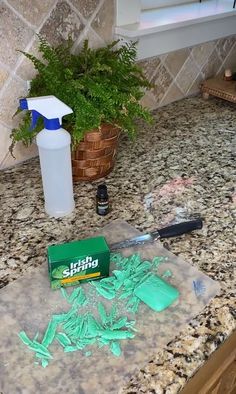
x: 102, y: 200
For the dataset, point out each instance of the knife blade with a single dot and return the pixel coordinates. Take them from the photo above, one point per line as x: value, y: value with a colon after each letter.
x: 166, y: 232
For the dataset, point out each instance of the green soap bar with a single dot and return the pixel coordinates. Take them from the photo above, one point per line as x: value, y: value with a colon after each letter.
x: 78, y: 261
x: 156, y: 293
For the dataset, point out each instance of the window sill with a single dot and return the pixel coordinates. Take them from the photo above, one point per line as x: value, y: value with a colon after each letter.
x: 168, y: 29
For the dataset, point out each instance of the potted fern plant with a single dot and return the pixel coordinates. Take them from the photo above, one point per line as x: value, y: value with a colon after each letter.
x: 103, y: 87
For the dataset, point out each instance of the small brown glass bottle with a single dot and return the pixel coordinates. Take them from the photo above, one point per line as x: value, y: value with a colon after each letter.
x: 102, y: 200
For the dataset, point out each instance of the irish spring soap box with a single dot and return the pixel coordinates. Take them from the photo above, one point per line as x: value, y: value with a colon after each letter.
x: 78, y: 261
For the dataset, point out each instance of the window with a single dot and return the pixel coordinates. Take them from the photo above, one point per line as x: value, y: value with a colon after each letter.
x: 182, y: 24
x: 150, y: 4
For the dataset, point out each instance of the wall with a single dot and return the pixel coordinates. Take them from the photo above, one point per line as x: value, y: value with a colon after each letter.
x: 175, y: 75
x: 178, y: 74
x: 54, y: 19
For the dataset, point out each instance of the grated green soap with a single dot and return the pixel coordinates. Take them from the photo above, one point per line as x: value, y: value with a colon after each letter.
x: 124, y: 282
x: 76, y: 330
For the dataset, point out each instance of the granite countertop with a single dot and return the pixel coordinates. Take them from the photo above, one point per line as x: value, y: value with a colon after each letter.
x: 180, y: 167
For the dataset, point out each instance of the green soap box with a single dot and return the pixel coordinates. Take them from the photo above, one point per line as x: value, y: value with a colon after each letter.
x: 78, y: 261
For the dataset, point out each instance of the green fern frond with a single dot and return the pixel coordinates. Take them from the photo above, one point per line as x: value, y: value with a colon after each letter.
x: 100, y: 85
x: 38, y: 64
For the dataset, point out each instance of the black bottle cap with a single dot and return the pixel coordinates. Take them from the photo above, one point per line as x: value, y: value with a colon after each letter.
x: 102, y: 191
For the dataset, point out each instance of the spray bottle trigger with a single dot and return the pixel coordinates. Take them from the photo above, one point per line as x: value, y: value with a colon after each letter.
x: 35, y: 116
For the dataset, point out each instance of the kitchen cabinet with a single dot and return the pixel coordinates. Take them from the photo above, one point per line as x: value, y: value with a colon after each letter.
x: 218, y: 375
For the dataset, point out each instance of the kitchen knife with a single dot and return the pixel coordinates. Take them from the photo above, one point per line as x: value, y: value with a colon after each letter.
x: 166, y: 232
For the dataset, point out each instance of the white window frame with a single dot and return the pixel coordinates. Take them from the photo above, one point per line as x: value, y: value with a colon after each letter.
x: 159, y: 40
x: 151, y: 4
x: 127, y: 12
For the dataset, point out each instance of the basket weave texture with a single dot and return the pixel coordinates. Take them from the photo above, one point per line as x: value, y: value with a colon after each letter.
x: 95, y: 155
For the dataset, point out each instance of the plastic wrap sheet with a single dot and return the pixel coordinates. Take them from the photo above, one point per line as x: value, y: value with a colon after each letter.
x: 28, y: 303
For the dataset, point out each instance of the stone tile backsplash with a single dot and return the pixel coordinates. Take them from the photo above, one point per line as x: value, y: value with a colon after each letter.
x: 174, y: 63
x: 62, y: 23
x: 14, y: 33
x: 9, y: 101
x: 33, y: 13
x: 103, y: 22
x: 175, y: 75
x: 180, y: 73
x: 86, y: 7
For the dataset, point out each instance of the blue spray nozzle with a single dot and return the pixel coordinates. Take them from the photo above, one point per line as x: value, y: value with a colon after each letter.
x: 49, y: 107
x: 35, y: 116
x: 23, y: 103
x: 49, y: 124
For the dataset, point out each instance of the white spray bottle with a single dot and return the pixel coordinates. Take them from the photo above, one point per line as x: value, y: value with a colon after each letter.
x: 54, y: 153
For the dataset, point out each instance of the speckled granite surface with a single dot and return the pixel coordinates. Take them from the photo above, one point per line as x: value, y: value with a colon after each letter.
x: 181, y: 166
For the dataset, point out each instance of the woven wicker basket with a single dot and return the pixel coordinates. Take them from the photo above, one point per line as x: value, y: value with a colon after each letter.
x: 95, y: 155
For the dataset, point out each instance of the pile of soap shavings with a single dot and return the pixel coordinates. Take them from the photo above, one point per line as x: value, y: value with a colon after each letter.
x: 75, y: 331
x: 122, y: 284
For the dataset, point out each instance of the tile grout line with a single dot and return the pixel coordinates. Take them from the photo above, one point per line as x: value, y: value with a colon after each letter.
x: 156, y: 70
x: 196, y: 63
x: 173, y: 81
x: 12, y: 73
x: 218, y: 50
x: 198, y: 67
x: 3, y: 160
x: 20, y: 60
x: 83, y: 35
x: 21, y: 17
x: 166, y: 66
x: 207, y: 60
x: 178, y: 73
x: 5, y: 125
x: 163, y: 98
x: 173, y: 78
x: 83, y: 19
x: 193, y: 82
x: 36, y: 31
x: 86, y: 22
x: 231, y: 50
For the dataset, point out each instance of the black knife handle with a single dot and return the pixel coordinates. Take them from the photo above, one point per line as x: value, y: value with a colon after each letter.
x: 180, y: 228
